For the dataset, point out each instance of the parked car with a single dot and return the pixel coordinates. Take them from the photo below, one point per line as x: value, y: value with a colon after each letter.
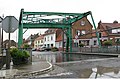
x: 42, y: 48
x: 47, y: 49
x: 34, y: 49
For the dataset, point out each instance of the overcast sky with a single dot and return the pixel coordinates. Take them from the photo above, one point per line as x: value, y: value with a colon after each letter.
x: 104, y: 10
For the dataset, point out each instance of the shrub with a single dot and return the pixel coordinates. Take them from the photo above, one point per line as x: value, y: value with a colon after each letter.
x: 19, y: 56
x: 26, y: 46
x: 81, y: 45
x: 107, y: 43
x: 15, y: 53
x: 54, y: 49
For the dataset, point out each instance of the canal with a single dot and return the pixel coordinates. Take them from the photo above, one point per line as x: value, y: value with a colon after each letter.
x: 96, y: 68
x: 57, y: 57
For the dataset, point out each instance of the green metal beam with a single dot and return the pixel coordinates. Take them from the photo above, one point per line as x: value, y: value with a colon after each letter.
x: 53, y: 13
x: 25, y: 31
x: 70, y: 38
x: 96, y: 30
x: 20, y: 33
x: 40, y: 17
x: 45, y: 25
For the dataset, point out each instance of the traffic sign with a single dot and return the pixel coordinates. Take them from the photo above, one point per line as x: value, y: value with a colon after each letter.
x: 9, y: 24
x: 76, y: 37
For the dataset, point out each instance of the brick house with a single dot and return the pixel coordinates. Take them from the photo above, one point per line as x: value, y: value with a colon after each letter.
x: 108, y: 31
x: 80, y: 30
x: 79, y: 33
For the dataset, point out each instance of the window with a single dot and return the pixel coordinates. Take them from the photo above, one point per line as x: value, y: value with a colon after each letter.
x: 60, y: 43
x: 45, y: 38
x: 114, y: 31
x: 82, y: 23
x: 48, y: 45
x: 41, y: 41
x: 83, y: 32
x: 48, y: 38
x: 78, y: 32
x: 118, y: 30
x: 51, y: 45
x: 38, y: 42
x: 79, y: 41
x: 87, y: 42
x: 95, y: 42
x: 100, y: 35
x: 51, y: 38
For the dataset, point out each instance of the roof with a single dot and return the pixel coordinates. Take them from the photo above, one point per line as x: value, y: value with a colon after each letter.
x: 107, y: 27
x: 50, y: 31
x: 40, y: 37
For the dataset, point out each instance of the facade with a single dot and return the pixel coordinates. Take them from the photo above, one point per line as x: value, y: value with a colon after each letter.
x: 80, y: 34
x: 39, y: 42
x: 50, y: 38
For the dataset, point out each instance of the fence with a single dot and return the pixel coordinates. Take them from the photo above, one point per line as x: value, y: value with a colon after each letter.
x: 103, y: 49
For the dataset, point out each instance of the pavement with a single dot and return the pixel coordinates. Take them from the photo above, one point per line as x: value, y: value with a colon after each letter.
x: 28, y: 70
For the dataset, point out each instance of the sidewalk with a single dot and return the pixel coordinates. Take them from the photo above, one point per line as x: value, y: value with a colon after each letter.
x: 16, y: 72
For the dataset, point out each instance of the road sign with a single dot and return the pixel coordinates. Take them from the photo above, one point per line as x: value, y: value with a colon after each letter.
x: 76, y: 37
x: 9, y: 24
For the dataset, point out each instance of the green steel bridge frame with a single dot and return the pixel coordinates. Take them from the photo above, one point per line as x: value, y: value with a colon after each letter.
x: 30, y: 20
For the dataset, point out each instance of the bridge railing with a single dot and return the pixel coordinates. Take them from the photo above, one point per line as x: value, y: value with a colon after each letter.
x: 103, y: 49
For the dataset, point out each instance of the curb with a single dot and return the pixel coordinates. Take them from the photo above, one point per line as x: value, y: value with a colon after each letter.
x: 34, y: 73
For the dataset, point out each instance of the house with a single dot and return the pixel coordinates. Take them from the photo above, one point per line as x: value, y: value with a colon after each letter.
x: 39, y: 42
x: 12, y: 43
x: 50, y: 37
x: 108, y: 31
x: 80, y: 29
x: 30, y: 39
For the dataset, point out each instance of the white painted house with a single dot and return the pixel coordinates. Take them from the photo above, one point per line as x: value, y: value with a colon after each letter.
x: 50, y: 38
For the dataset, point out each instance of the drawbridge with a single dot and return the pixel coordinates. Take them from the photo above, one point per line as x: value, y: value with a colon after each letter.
x: 64, y: 21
